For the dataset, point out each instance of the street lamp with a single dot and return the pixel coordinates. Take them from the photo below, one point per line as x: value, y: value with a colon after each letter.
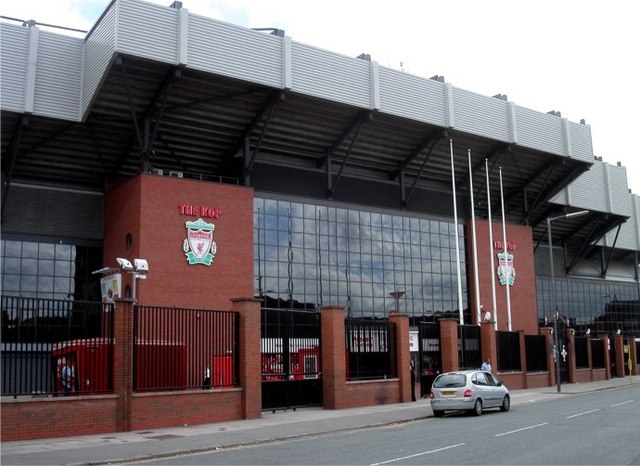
x: 396, y: 296
x: 553, y: 291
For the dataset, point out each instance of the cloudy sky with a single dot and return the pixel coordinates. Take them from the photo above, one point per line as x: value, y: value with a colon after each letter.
x: 579, y: 57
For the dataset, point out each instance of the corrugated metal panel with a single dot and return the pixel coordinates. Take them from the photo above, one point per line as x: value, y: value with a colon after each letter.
x: 99, y: 51
x: 63, y: 214
x: 328, y: 75
x: 157, y: 24
x: 221, y: 48
x: 540, y: 131
x: 412, y: 97
x: 58, y: 80
x: 13, y: 65
x: 476, y: 114
x: 629, y: 237
x: 618, y: 189
x: 581, y: 145
x: 588, y: 191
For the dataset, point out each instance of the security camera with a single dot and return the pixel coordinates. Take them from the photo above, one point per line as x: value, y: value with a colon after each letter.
x: 142, y: 266
x: 487, y: 316
x: 588, y: 332
x: 125, y: 264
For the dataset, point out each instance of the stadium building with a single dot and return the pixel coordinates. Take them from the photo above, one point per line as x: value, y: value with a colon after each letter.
x: 241, y: 163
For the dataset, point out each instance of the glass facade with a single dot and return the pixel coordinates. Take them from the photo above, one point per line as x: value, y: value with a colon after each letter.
x: 50, y: 270
x: 310, y: 255
x: 602, y: 307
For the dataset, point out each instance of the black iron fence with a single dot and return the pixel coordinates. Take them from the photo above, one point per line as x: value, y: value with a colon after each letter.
x: 581, y: 347
x: 597, y: 354
x: 508, y: 348
x: 291, y: 358
x: 184, y: 348
x: 469, y: 351
x: 371, y: 349
x: 537, y: 352
x: 52, y: 346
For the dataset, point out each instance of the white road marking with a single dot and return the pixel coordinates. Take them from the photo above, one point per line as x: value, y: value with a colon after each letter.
x: 418, y: 454
x: 586, y: 412
x: 620, y: 404
x: 520, y: 430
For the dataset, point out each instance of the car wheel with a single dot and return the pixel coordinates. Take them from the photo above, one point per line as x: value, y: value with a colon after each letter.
x: 506, y: 403
x: 477, y: 408
x: 438, y: 413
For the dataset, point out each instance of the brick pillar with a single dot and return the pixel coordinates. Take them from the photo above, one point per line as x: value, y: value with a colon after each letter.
x: 403, y: 354
x: 334, y: 364
x: 548, y: 334
x: 488, y: 344
x: 571, y: 349
x: 250, y: 370
x: 634, y: 356
x: 620, y: 361
x: 123, y: 361
x: 449, y: 345
x: 607, y: 357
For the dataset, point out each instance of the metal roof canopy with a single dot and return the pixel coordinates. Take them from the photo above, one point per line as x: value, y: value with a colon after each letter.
x: 148, y: 115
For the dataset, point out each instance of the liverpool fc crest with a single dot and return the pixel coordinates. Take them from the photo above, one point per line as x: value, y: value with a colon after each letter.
x: 506, y: 271
x: 199, y: 246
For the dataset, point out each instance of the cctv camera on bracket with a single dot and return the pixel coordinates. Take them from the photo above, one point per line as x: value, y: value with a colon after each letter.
x: 125, y: 264
x: 142, y: 266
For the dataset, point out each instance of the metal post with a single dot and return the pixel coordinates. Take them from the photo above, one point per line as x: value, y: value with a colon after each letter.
x: 554, y: 306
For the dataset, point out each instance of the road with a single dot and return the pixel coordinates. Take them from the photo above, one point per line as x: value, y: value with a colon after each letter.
x: 594, y: 428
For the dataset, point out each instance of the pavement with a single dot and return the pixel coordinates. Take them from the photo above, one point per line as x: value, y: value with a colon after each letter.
x: 124, y: 447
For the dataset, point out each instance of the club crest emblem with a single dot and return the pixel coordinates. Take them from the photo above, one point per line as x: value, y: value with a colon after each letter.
x: 506, y: 271
x: 199, y: 246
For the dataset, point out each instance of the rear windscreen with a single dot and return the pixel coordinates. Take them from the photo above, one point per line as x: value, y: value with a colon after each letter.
x: 450, y: 380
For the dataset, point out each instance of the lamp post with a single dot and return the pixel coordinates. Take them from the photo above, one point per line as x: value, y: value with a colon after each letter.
x: 553, y: 291
x: 396, y: 296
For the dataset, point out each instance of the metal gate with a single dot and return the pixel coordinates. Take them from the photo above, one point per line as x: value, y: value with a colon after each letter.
x: 291, y: 359
x: 430, y: 361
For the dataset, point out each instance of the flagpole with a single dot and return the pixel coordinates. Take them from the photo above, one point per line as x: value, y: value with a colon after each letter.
x: 475, y: 243
x: 493, y: 265
x: 504, y: 240
x: 455, y: 224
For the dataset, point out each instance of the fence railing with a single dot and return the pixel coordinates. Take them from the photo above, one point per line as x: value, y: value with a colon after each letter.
x: 508, y: 348
x: 184, y: 348
x: 371, y: 349
x: 581, y: 347
x: 469, y: 351
x: 597, y: 354
x: 537, y: 352
x: 52, y: 346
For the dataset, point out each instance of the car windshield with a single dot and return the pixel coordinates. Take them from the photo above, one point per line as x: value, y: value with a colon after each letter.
x: 450, y: 380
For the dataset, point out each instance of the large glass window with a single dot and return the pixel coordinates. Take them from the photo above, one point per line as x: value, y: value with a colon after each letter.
x: 50, y: 270
x: 598, y: 306
x: 309, y: 256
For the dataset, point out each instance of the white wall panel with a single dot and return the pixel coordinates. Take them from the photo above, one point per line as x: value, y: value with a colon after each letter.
x: 481, y: 115
x: 147, y: 30
x: 13, y: 66
x: 588, y: 191
x: 629, y: 237
x: 58, y: 76
x: 540, y: 131
x: 581, y: 145
x: 98, y: 53
x: 224, y: 49
x: 618, y: 189
x: 327, y: 75
x: 409, y: 96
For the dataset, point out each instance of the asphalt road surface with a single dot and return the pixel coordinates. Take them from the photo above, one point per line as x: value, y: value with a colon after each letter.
x: 594, y: 428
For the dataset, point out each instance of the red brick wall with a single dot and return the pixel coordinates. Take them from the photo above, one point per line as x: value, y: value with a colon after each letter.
x: 57, y: 417
x: 156, y: 410
x: 372, y: 393
x: 148, y: 208
x: 524, y: 308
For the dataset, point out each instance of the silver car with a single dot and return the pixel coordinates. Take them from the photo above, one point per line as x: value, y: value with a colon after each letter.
x: 470, y: 391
